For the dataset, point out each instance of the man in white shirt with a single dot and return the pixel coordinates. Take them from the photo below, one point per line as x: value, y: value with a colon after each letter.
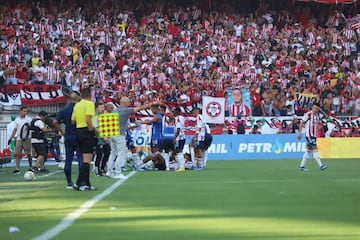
x: 21, y: 133
x: 39, y: 72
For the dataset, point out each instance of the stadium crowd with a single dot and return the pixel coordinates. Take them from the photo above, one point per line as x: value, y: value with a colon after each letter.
x: 149, y: 52
x: 177, y: 53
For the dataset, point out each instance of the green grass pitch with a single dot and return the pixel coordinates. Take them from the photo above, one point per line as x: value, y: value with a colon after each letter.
x: 229, y: 200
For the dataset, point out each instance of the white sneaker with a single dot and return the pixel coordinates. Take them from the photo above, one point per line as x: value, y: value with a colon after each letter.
x: 109, y: 174
x: 120, y: 176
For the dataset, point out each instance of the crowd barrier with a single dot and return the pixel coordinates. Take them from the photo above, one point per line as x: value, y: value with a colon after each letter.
x: 339, y: 147
x: 256, y: 147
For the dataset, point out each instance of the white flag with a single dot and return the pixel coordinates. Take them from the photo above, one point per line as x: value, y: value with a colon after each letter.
x: 213, y: 109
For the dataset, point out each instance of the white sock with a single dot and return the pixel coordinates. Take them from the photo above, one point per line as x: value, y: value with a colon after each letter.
x: 136, y: 159
x: 199, y: 162
x: 304, y: 159
x: 149, y: 164
x: 167, y: 160
x: 192, y: 155
x: 180, y: 159
x: 110, y: 164
x: 317, y: 158
x: 206, y: 154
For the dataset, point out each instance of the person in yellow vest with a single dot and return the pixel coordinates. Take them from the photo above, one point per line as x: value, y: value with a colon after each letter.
x: 75, y: 52
x: 35, y: 60
x: 83, y: 118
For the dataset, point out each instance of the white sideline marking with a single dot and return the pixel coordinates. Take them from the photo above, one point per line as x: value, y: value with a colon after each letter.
x: 71, y: 217
x: 48, y: 174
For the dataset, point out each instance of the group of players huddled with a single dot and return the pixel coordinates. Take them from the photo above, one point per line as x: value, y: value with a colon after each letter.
x: 166, y: 145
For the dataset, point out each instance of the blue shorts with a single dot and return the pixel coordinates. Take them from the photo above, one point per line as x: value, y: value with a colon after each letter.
x: 179, y: 146
x: 130, y: 143
x: 156, y: 143
x: 198, y: 144
x: 208, y: 140
x: 167, y: 144
x: 311, y: 141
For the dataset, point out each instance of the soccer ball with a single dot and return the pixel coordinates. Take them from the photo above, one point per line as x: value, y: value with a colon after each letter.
x: 61, y: 165
x: 29, y: 176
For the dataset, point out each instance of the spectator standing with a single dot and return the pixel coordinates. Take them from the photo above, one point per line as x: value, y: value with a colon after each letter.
x: 39, y: 72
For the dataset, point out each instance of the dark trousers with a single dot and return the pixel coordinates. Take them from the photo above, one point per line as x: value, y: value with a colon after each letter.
x: 71, y: 146
x: 102, y: 156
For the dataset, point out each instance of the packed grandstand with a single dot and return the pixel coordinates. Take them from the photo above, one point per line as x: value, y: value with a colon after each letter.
x: 282, y: 55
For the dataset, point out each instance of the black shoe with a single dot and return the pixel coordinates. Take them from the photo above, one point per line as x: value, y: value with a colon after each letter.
x: 35, y: 169
x: 76, y: 187
x: 16, y: 171
x: 44, y: 170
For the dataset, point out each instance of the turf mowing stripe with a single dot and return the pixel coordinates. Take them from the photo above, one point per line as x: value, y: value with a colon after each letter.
x: 71, y: 217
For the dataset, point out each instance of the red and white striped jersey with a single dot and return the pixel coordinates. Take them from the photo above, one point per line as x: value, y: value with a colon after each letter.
x: 241, y: 109
x: 52, y: 75
x: 196, y: 14
x: 349, y: 33
x: 179, y: 124
x: 311, y: 122
x: 12, y: 71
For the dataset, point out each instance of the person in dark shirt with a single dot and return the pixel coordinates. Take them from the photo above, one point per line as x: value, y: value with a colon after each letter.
x: 71, y: 145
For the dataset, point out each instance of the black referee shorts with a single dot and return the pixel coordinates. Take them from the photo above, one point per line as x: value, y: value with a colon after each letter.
x: 86, y: 140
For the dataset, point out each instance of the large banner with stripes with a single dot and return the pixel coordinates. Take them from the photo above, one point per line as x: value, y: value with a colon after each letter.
x: 31, y: 95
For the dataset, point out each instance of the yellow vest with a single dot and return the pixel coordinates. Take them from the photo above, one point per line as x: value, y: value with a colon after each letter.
x: 34, y: 61
x: 81, y: 110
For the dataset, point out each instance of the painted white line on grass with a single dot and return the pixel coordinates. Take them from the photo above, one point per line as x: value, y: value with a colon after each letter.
x: 49, y: 174
x: 71, y: 217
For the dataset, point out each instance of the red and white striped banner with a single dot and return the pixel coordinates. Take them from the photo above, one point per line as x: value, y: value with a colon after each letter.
x: 37, y: 95
x: 354, y: 22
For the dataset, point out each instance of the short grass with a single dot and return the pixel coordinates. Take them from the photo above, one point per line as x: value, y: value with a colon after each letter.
x: 229, y: 200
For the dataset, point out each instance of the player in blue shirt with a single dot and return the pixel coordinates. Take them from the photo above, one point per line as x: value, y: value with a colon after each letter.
x: 156, y: 131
